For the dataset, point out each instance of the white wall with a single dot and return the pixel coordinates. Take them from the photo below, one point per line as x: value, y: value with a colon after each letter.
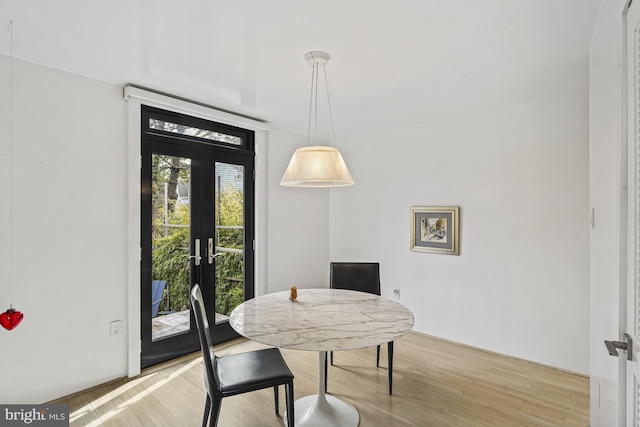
x: 69, y: 235
x: 606, y: 196
x: 519, y: 173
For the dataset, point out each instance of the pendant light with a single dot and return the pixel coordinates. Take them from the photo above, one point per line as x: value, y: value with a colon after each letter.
x: 316, y: 165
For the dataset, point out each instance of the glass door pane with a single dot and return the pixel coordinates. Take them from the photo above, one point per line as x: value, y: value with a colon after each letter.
x: 170, y: 245
x: 229, y: 229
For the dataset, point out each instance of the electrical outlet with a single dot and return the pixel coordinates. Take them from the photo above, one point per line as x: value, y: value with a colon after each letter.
x: 396, y: 293
x: 116, y: 327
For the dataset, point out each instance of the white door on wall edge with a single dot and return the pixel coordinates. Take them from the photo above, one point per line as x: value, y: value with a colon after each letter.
x: 630, y: 335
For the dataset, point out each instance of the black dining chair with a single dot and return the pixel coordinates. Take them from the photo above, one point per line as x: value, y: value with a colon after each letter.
x: 364, y: 277
x: 238, y: 373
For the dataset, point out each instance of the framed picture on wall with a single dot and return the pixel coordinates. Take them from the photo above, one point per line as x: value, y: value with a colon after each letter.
x: 435, y: 229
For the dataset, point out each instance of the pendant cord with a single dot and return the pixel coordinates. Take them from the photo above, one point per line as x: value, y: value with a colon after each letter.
x: 326, y: 85
x: 313, y: 100
x: 313, y: 70
x: 11, y: 208
x: 317, y: 73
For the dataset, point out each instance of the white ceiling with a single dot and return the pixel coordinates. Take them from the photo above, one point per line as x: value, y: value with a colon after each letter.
x: 393, y: 62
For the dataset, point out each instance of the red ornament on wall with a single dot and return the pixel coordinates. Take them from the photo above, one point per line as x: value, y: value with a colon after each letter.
x: 11, y: 318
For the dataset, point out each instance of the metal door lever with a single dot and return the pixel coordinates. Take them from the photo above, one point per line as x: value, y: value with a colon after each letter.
x: 210, y: 250
x: 197, y: 256
x: 613, y: 346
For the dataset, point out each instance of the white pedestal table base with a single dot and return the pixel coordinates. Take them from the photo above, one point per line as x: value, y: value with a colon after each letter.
x: 312, y: 412
x: 323, y: 410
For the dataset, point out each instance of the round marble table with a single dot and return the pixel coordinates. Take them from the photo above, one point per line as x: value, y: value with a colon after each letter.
x: 322, y: 320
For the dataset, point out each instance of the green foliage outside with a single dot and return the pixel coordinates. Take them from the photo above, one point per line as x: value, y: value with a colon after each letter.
x: 171, y: 243
x: 170, y: 263
x: 229, y: 265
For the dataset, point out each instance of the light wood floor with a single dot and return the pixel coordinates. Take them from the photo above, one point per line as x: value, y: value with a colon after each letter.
x: 436, y: 383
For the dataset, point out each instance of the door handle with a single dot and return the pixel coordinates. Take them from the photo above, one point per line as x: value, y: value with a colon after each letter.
x: 627, y: 345
x: 211, y: 251
x: 197, y: 256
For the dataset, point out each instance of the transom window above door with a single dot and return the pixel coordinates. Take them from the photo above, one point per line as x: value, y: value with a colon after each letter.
x: 175, y: 125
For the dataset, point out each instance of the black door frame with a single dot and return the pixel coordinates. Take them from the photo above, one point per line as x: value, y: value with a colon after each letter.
x: 203, y: 156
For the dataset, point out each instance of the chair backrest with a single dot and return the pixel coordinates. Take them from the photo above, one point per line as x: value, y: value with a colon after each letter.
x: 157, y: 288
x: 208, y: 356
x: 356, y: 276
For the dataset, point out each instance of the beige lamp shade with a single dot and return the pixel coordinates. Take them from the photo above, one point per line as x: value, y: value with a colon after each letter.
x: 317, y: 166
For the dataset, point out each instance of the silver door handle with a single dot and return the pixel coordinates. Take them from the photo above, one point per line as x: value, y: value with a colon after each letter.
x: 197, y: 258
x: 210, y: 251
x: 627, y: 345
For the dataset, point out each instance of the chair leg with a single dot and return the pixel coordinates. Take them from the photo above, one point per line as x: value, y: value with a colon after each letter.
x: 326, y: 372
x: 291, y: 416
x: 331, y: 356
x: 276, y: 398
x: 390, y: 356
x: 215, y: 412
x: 378, y: 356
x: 207, y: 411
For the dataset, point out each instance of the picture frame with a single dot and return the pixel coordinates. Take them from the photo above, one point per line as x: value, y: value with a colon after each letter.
x: 435, y: 229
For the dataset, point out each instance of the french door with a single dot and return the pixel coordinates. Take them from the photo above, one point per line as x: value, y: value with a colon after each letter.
x: 197, y: 228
